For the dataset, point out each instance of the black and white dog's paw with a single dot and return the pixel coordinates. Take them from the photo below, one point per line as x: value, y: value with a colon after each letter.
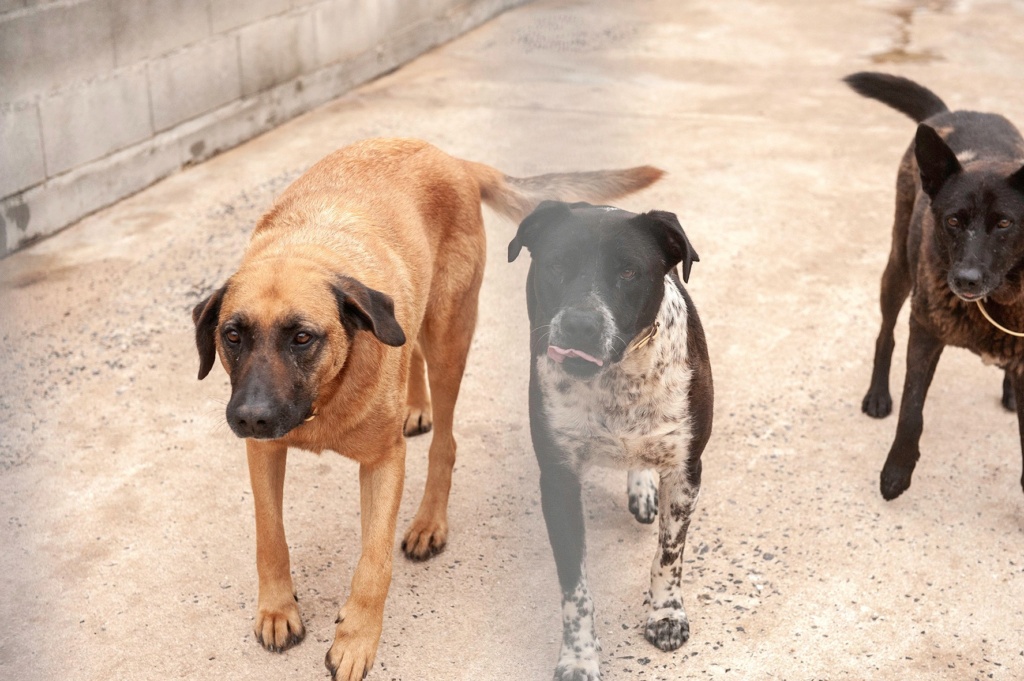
x: 578, y: 667
x: 642, y: 486
x: 667, y: 629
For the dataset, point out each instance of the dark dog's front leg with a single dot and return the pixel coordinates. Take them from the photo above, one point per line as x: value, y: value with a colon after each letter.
x: 667, y: 624
x: 923, y: 352
x: 1017, y: 383
x: 1009, y: 400
x: 562, y: 502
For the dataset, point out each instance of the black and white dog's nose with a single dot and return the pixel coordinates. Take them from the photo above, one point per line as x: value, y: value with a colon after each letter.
x: 581, y: 327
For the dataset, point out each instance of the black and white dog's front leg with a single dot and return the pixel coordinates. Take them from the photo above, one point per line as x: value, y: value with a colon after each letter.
x: 667, y: 625
x: 561, y: 499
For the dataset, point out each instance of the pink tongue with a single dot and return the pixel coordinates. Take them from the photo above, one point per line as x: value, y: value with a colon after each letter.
x: 559, y: 354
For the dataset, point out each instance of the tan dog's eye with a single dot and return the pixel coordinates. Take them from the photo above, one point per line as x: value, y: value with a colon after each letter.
x: 302, y: 338
x: 232, y: 336
x: 1003, y: 224
x: 627, y: 273
x: 952, y: 222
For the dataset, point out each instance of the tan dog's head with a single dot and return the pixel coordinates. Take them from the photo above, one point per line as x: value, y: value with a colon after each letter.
x: 283, y: 329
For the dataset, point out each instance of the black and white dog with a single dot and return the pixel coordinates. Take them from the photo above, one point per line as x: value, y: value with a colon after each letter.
x: 619, y: 376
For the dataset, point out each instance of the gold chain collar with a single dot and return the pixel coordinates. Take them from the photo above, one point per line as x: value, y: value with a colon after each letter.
x: 640, y: 342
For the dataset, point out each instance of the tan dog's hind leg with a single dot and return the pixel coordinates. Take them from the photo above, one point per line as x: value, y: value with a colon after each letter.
x: 362, y: 617
x: 446, y: 343
x: 418, y: 417
x: 278, y: 623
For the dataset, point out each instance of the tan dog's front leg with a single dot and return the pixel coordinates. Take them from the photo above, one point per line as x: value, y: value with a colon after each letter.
x: 361, y: 618
x: 278, y: 623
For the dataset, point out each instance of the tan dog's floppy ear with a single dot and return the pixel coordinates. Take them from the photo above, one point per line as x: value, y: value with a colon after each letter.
x: 364, y: 308
x: 670, y: 236
x: 205, y: 316
x: 935, y: 160
x: 546, y: 213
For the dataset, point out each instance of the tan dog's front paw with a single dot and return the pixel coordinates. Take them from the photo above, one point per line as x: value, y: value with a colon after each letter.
x: 354, y: 648
x: 418, y: 420
x: 425, y: 539
x: 279, y: 628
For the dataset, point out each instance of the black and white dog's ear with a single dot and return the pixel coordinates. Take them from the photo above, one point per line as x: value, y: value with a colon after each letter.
x: 669, y: 234
x: 935, y: 160
x: 1017, y: 179
x: 544, y: 215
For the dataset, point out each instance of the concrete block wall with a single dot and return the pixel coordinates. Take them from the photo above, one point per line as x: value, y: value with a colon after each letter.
x: 100, y: 98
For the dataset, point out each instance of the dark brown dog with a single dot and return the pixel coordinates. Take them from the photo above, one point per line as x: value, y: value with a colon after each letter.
x: 957, y: 249
x: 378, y: 243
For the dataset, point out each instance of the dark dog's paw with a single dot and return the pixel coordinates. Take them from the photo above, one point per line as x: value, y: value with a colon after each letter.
x: 668, y: 633
x: 1009, y: 401
x: 895, y: 480
x: 877, y: 404
x: 642, y: 487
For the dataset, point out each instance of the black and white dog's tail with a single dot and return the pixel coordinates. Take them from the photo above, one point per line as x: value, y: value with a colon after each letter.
x: 516, y: 197
x: 902, y: 94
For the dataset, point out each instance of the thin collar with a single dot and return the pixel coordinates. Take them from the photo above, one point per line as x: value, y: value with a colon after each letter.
x: 641, y: 341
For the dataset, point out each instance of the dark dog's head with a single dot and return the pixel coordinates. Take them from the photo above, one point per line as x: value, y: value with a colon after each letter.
x: 283, y: 329
x: 597, y: 278
x: 978, y: 207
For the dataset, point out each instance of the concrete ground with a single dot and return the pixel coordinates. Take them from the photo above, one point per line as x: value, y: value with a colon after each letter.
x: 125, y: 511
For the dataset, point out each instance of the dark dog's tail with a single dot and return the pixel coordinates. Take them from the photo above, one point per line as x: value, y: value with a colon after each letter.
x: 902, y: 94
x: 516, y: 197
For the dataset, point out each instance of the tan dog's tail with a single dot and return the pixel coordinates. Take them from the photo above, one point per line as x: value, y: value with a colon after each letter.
x: 516, y: 197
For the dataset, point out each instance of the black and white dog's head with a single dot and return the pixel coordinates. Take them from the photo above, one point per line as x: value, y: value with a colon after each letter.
x: 597, y: 278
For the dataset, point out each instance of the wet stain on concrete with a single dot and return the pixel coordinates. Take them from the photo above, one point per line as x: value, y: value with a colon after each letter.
x: 20, y: 215
x: 901, y: 53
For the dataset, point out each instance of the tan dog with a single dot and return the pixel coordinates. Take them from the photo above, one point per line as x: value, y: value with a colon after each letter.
x: 384, y: 236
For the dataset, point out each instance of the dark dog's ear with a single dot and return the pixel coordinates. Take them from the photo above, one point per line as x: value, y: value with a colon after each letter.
x: 545, y: 214
x: 205, y: 316
x: 935, y: 159
x: 665, y: 228
x: 364, y: 308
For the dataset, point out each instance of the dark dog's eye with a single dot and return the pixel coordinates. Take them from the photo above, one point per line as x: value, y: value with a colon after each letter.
x: 302, y: 338
x: 232, y: 336
x: 1004, y: 223
x: 952, y: 222
x: 627, y: 274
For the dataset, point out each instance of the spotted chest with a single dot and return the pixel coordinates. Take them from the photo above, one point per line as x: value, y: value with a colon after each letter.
x: 636, y: 412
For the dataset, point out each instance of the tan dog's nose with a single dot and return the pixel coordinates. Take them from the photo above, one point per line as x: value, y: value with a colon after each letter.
x: 253, y: 419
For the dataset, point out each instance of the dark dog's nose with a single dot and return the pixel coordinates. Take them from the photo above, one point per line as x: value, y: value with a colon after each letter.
x: 253, y: 419
x: 968, y: 281
x: 581, y: 327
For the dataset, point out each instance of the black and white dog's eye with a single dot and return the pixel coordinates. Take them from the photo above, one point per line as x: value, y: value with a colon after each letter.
x: 952, y: 221
x: 627, y: 274
x: 1004, y: 223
